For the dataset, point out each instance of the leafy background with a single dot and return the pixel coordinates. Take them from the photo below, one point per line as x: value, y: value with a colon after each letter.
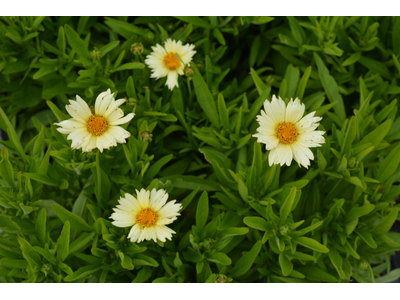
x: 243, y: 221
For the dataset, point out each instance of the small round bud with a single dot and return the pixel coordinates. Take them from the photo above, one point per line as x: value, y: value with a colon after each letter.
x: 46, y: 268
x: 96, y: 54
x: 363, y: 265
x: 199, y: 64
x: 353, y: 162
x: 188, y: 72
x: 132, y: 102
x: 170, y: 26
x: 221, y: 279
x: 149, y: 36
x: 284, y: 230
x: 270, y: 80
x: 137, y: 48
x: 146, y: 136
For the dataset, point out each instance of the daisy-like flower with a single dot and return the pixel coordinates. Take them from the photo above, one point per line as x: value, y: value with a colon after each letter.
x: 288, y: 135
x: 170, y: 61
x: 148, y: 213
x: 99, y: 130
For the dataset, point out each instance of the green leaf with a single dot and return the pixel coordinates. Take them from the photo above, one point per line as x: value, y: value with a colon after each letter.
x: 155, y: 168
x: 6, y: 169
x: 316, y: 274
x: 357, y: 212
x: 375, y: 66
x: 391, y: 277
x: 123, y: 28
x: 223, y: 112
x: 130, y: 66
x: 367, y: 238
x: 61, y: 44
x: 78, y: 45
x: 256, y: 223
x: 303, y: 83
x: 30, y: 254
x: 219, y: 258
x: 202, y: 211
x: 197, y: 21
x: 375, y: 137
x: 77, y: 223
x: 386, y: 222
x: 41, y: 178
x: 40, y: 225
x: 287, y: 205
x: 352, y: 59
x: 82, y: 272
x: 204, y: 97
x: 260, y: 85
x: 389, y: 165
x: 246, y: 261
x: 331, y: 88
x: 63, y: 242
x: 286, y: 265
x: 144, y: 260
x: 350, y: 135
x: 107, y: 48
x: 310, y: 243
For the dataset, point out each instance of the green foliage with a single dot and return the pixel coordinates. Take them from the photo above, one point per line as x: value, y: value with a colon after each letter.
x: 242, y: 219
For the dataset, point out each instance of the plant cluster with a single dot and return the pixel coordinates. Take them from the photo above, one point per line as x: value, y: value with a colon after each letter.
x: 242, y: 219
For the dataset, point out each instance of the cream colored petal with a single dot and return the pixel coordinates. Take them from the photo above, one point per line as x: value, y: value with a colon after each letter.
x: 123, y: 120
x: 172, y: 80
x: 299, y: 155
x: 76, y: 113
x: 294, y: 111
x: 113, y: 106
x: 99, y: 100
x: 170, y: 210
x: 84, y: 105
x: 134, y: 233
x: 115, y: 115
x: 71, y: 124
x: 65, y: 131
x: 119, y: 133
x: 278, y: 109
x: 89, y: 144
x: 104, y: 104
x: 143, y: 198
x: 122, y: 219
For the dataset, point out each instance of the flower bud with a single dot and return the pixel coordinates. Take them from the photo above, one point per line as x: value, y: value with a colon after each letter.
x: 284, y: 230
x: 96, y: 54
x: 146, y: 136
x: 353, y: 162
x: 188, y: 72
x: 221, y: 279
x: 363, y: 265
x: 137, y: 48
x: 132, y: 102
x: 199, y: 64
x: 149, y: 36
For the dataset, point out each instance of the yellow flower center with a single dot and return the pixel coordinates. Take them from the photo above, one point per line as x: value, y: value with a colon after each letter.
x: 171, y: 61
x: 286, y: 132
x: 146, y: 217
x: 97, y: 125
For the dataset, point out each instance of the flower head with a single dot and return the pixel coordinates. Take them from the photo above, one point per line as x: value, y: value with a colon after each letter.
x: 288, y: 135
x: 169, y: 61
x: 148, y: 213
x: 99, y: 130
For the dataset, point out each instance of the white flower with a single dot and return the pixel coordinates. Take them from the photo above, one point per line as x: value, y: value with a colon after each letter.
x: 148, y: 213
x: 288, y: 135
x: 99, y: 130
x: 164, y: 61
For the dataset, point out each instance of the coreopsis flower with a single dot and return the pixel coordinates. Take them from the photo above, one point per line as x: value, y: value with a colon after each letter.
x: 148, y: 213
x: 169, y: 61
x: 286, y: 134
x: 99, y: 130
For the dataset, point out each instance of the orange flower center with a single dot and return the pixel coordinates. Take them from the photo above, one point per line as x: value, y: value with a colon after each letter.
x: 171, y: 61
x: 287, y: 133
x: 97, y: 125
x: 146, y: 217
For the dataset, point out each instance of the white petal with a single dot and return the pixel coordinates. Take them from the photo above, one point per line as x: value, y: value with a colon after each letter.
x: 294, y: 111
x: 123, y: 120
x: 113, y: 106
x: 279, y: 109
x: 172, y: 80
x: 99, y: 100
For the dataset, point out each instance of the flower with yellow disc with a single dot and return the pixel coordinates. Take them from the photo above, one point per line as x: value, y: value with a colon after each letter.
x: 99, y: 130
x: 170, y: 61
x: 287, y: 134
x: 148, y: 213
